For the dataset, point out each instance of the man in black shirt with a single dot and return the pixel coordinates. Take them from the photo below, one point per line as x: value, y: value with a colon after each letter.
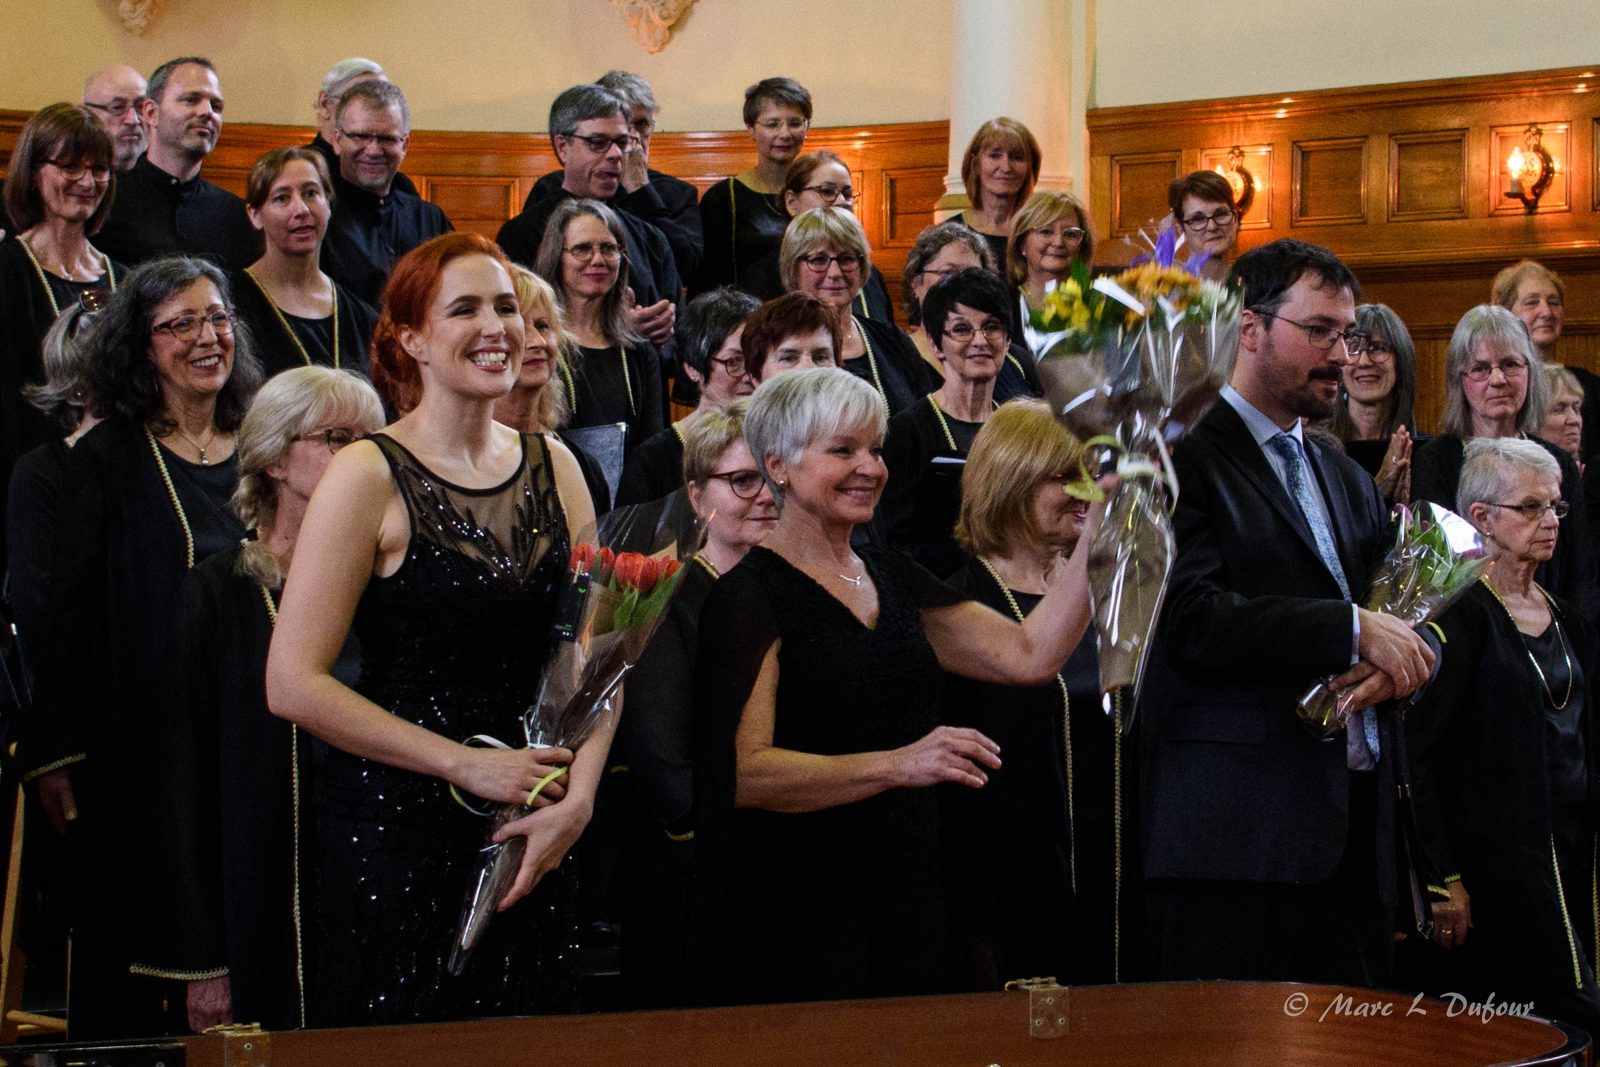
x: 341, y: 76
x: 589, y: 129
x: 163, y: 207
x: 374, y: 222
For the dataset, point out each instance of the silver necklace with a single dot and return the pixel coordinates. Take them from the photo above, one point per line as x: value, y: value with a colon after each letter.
x: 857, y: 580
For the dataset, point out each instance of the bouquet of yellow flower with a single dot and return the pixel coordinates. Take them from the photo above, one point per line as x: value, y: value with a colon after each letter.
x: 1142, y: 357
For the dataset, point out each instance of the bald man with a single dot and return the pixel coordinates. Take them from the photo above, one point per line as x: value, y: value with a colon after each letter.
x: 114, y: 93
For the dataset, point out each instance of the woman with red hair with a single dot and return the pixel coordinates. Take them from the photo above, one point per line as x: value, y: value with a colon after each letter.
x: 442, y: 539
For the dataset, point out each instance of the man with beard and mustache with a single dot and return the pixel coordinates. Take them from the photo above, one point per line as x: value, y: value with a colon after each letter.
x: 374, y: 220
x: 1268, y: 853
x: 163, y: 207
x: 114, y: 94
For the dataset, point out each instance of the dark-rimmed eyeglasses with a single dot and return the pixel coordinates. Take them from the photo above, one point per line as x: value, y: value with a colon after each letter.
x: 333, y: 438
x: 100, y: 172
x: 600, y: 144
x: 1219, y: 218
x: 1535, y: 511
x: 832, y: 191
x: 386, y: 141
x: 116, y: 108
x: 1511, y: 367
x: 746, y: 484
x: 963, y: 332
x: 187, y: 327
x: 736, y: 366
x: 1323, y: 338
x: 849, y: 262
x: 1378, y: 351
x: 587, y: 250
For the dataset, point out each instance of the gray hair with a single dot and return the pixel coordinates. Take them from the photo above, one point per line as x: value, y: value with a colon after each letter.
x: 793, y: 409
x: 343, y: 73
x: 1492, y: 462
x: 377, y: 95
x: 64, y: 396
x: 547, y: 264
x: 709, y: 436
x: 632, y: 88
x: 811, y: 230
x: 582, y: 103
x: 930, y: 242
x: 1488, y: 323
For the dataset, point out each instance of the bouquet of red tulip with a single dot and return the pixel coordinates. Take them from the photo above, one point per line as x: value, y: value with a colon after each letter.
x: 620, y: 579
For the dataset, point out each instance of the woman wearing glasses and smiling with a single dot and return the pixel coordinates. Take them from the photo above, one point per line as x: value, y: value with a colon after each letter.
x: 617, y: 375
x: 58, y: 193
x: 1049, y: 234
x: 170, y: 375
x: 1373, y: 417
x: 1495, y: 387
x: 741, y: 216
x: 1202, y: 204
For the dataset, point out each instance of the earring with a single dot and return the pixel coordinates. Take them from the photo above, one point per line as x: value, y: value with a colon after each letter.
x: 782, y: 483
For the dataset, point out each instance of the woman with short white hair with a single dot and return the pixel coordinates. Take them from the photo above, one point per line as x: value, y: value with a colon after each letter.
x: 817, y: 695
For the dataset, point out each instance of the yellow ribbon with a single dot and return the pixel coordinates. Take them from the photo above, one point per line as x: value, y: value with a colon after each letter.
x: 494, y: 742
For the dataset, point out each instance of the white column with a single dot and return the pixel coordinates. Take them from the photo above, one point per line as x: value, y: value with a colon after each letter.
x: 1031, y: 60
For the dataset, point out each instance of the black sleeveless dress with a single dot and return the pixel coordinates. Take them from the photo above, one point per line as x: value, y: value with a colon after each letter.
x: 452, y: 641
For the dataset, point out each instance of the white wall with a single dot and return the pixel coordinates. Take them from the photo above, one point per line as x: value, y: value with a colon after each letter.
x: 1151, y: 51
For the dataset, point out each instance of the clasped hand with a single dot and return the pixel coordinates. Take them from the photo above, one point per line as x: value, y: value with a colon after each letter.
x: 1392, y: 662
x: 508, y: 775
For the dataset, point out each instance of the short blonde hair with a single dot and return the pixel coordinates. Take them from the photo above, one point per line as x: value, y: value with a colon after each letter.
x: 534, y: 292
x: 1040, y: 210
x: 1021, y: 446
x: 288, y: 406
x: 709, y: 436
x: 1008, y: 133
x: 814, y: 229
x: 1503, y: 290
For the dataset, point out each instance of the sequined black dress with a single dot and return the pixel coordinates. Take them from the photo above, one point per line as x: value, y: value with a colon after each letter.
x: 452, y: 641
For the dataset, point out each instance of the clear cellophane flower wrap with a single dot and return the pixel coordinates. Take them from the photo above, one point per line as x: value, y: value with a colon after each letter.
x: 1436, y: 556
x: 621, y: 575
x: 1142, y: 358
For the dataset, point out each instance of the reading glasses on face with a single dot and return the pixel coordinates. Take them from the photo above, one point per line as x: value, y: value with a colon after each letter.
x: 734, y: 365
x: 587, y: 250
x: 335, y: 437
x: 746, y: 484
x: 1323, y: 337
x: 100, y: 172
x: 387, y: 141
x: 832, y: 191
x: 116, y: 108
x: 963, y: 332
x: 188, y: 327
x: 1218, y: 219
x: 600, y: 144
x: 1511, y: 367
x: 1535, y: 510
x: 849, y: 262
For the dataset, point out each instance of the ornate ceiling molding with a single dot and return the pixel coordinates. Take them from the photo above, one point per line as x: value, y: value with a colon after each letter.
x: 136, y: 14
x: 652, y: 20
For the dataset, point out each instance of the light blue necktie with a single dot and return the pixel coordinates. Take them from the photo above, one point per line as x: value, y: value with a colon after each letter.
x: 1288, y: 450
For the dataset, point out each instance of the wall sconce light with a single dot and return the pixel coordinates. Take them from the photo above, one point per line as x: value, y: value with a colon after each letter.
x: 1239, y: 179
x: 1531, y: 169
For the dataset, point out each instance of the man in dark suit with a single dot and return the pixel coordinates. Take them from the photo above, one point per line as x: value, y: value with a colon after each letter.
x: 1270, y: 854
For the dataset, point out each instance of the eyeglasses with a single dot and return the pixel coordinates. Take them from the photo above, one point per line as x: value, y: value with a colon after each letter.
x: 118, y: 107
x: 1511, y: 367
x: 187, y: 327
x: 1535, y: 511
x: 386, y: 141
x: 100, y: 172
x: 746, y: 484
x: 1218, y: 218
x: 599, y: 144
x: 587, y: 250
x: 775, y: 125
x: 1378, y: 351
x: 334, y: 437
x: 849, y: 262
x: 1069, y: 233
x: 831, y: 191
x: 734, y: 365
x: 1323, y: 338
x: 963, y: 332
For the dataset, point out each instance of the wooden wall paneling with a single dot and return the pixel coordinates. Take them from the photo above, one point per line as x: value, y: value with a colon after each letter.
x: 1329, y: 183
x: 1554, y: 136
x: 1258, y: 161
x: 1139, y: 189
x: 481, y: 205
x: 1427, y: 175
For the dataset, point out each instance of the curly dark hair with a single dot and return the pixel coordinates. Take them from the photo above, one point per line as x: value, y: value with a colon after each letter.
x: 123, y: 381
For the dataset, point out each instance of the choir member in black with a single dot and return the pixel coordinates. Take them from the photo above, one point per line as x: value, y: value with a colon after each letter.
x: 1536, y: 294
x: 163, y: 206
x: 1495, y: 387
x: 537, y: 403
x: 670, y: 204
x: 742, y: 217
x: 999, y: 169
x: 655, y: 738
x: 148, y: 492
x: 231, y: 893
x: 939, y: 252
x: 341, y: 76
x: 1049, y: 235
x: 1504, y: 763
x: 709, y: 353
x: 616, y: 375
x: 58, y: 196
x: 590, y: 132
x: 1046, y: 827
x: 374, y: 222
x: 1204, y: 205
x: 825, y: 253
x: 1373, y: 418
x: 38, y: 487
x: 797, y: 331
x: 818, y: 179
x: 928, y: 442
x: 452, y: 613
x: 113, y: 93
x: 298, y: 315
x: 817, y: 837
